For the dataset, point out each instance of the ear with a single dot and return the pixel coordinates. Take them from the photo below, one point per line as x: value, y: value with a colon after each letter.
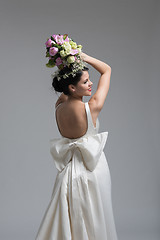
x: 71, y: 87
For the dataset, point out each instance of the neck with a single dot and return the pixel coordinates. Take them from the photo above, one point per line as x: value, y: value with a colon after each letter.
x: 72, y: 98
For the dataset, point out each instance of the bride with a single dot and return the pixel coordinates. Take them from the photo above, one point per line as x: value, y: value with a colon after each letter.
x: 81, y: 204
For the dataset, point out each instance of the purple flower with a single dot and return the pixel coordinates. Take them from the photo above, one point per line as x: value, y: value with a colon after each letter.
x: 49, y: 43
x: 58, y: 61
x: 53, y: 51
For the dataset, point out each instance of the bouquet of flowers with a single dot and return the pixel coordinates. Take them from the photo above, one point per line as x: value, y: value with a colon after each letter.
x: 62, y: 52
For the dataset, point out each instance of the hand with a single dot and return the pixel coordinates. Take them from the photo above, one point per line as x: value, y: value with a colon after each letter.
x: 83, y: 56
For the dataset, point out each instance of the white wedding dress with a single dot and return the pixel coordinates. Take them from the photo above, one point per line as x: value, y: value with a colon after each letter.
x: 81, y: 203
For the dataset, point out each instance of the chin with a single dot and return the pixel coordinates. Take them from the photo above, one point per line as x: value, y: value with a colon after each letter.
x: 88, y: 93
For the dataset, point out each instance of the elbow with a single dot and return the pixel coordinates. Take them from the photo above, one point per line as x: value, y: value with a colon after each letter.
x: 109, y: 69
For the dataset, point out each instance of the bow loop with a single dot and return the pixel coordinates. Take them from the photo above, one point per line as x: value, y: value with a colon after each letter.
x: 91, y: 147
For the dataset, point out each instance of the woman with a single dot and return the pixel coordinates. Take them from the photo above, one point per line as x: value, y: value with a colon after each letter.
x: 81, y: 205
x: 72, y: 110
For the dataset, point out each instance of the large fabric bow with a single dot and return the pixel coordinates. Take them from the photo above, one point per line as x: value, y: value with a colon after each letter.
x: 90, y: 147
x: 75, y: 210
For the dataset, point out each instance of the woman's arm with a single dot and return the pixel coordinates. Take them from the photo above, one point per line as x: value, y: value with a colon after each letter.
x: 61, y: 99
x: 104, y: 69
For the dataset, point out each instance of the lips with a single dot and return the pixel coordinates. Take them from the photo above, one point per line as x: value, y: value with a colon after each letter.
x: 89, y: 89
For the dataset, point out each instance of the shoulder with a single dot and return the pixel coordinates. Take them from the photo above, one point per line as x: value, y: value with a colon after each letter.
x: 61, y: 99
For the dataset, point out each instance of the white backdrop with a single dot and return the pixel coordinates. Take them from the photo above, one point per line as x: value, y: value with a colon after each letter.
x: 124, y: 34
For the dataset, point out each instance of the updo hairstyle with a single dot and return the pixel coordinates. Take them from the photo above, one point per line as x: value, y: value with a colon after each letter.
x: 63, y: 83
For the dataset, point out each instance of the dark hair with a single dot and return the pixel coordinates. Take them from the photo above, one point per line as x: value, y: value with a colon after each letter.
x: 62, y: 84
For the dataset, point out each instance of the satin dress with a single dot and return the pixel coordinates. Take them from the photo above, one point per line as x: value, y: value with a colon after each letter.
x: 80, y: 207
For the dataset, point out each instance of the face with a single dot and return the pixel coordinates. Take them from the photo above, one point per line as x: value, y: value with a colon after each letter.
x: 83, y: 87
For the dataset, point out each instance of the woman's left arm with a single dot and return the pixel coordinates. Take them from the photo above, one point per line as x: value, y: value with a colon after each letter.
x: 61, y: 99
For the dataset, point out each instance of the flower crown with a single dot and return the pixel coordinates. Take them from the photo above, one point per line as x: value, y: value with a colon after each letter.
x: 63, y: 52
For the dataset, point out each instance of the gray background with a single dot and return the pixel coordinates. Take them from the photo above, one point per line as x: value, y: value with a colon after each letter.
x: 124, y: 34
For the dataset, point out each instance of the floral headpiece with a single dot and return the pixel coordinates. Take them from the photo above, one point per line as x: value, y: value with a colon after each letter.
x: 63, y: 52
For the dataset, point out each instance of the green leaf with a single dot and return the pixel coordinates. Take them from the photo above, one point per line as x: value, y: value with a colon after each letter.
x: 56, y: 45
x: 51, y: 62
x: 64, y: 36
x: 47, y: 54
x: 49, y: 66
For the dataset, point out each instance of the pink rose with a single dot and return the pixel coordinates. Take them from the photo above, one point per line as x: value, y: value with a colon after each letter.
x: 74, y: 51
x: 49, y: 43
x: 58, y: 38
x: 54, y: 36
x: 58, y: 61
x: 53, y: 51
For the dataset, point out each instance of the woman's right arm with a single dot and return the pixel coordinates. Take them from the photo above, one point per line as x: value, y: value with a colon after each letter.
x: 104, y: 69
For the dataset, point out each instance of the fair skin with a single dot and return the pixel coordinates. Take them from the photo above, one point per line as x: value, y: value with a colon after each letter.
x: 70, y: 115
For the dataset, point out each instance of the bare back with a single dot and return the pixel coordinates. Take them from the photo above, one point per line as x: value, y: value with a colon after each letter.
x: 71, y: 118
